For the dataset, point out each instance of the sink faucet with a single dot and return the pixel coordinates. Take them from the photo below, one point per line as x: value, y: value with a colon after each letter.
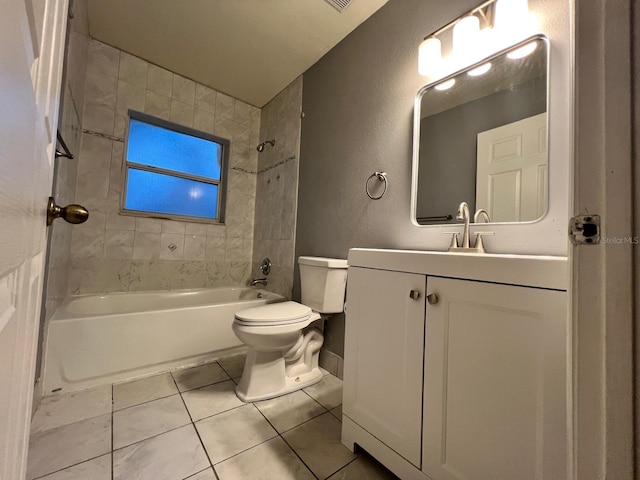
x: 481, y: 212
x: 463, y: 214
x: 259, y: 281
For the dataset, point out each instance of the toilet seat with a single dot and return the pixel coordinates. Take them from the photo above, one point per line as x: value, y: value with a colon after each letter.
x: 274, y: 314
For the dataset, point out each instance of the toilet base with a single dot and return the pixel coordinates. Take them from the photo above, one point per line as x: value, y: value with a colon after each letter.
x: 290, y: 385
x: 272, y: 374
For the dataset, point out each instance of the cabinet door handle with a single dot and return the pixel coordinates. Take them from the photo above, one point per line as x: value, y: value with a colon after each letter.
x: 432, y: 299
x: 414, y: 294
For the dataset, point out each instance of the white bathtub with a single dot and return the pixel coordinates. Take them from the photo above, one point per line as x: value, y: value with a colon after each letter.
x: 98, y: 339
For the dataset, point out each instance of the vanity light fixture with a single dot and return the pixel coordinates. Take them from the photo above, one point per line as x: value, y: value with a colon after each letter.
x: 446, y: 85
x: 481, y: 70
x: 488, y: 28
x: 429, y: 56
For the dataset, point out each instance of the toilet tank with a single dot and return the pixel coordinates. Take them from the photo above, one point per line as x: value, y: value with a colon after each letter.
x: 323, y: 282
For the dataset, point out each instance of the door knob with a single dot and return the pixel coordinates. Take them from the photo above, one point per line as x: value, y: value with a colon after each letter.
x: 432, y: 299
x: 414, y: 294
x: 71, y: 213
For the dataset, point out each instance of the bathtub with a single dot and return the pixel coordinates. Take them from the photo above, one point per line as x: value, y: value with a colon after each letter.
x: 99, y: 339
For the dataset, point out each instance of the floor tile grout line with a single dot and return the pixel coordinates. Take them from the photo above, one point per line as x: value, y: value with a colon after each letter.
x: 299, y: 457
x: 70, y: 466
x: 344, y: 466
x: 285, y: 441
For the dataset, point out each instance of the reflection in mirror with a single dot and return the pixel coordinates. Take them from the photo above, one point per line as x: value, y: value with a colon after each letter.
x: 481, y: 137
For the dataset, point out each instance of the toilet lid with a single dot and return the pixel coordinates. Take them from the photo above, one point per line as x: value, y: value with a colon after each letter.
x: 274, y: 313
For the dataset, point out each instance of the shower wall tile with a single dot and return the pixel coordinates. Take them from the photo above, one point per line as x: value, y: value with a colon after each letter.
x: 217, y: 274
x: 118, y: 244
x: 242, y: 114
x: 103, y: 59
x: 116, y: 82
x: 130, y: 97
x: 205, y: 98
x: 203, y: 120
x: 119, y: 222
x: 195, y: 228
x: 149, y: 275
x: 148, y: 225
x: 171, y: 246
x: 133, y: 70
x: 157, y: 105
x: 188, y: 274
x: 159, y: 80
x: 87, y: 243
x: 184, y: 90
x: 146, y: 245
x: 277, y: 187
x: 194, y: 247
x: 171, y: 226
x: 225, y: 106
x: 98, y: 117
x: 182, y: 113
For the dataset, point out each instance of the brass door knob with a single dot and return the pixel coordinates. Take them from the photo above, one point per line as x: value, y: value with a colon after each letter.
x: 71, y: 213
x: 432, y: 299
x: 414, y: 294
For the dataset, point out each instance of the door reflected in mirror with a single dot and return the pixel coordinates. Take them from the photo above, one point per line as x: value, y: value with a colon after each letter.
x: 480, y: 136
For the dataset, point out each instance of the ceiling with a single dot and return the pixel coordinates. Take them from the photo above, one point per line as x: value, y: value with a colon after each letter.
x: 249, y: 49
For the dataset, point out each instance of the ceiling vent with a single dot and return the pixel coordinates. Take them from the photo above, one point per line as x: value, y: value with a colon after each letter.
x: 339, y: 5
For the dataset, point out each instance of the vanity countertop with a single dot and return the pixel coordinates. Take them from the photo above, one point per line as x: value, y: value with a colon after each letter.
x: 529, y: 270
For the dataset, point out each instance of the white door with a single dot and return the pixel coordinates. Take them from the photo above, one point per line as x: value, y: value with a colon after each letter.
x: 31, y: 48
x: 495, y: 395
x: 384, y: 335
x: 511, y: 179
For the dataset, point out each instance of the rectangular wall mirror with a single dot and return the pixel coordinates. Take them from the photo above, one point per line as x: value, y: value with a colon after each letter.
x: 480, y: 136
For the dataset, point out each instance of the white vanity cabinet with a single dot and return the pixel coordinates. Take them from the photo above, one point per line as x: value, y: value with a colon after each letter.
x: 383, y: 382
x: 472, y: 384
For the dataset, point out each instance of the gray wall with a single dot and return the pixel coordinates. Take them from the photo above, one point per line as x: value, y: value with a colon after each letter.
x: 358, y: 106
x: 448, y: 144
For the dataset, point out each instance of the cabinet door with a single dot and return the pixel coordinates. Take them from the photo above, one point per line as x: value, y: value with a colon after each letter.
x: 384, y: 341
x: 495, y: 382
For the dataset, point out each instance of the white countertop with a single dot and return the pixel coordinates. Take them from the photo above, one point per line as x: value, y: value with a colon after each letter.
x: 528, y: 270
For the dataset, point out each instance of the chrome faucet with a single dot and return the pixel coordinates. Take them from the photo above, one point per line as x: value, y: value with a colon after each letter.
x: 481, y: 212
x: 463, y: 214
x: 258, y: 281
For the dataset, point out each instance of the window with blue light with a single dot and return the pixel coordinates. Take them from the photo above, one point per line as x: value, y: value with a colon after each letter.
x: 173, y: 171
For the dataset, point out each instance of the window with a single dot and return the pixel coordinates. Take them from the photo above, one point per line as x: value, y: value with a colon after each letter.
x: 173, y: 171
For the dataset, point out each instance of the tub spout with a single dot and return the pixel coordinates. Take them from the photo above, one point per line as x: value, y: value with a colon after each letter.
x: 258, y: 281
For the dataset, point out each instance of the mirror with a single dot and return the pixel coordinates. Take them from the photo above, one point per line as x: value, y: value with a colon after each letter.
x: 480, y: 136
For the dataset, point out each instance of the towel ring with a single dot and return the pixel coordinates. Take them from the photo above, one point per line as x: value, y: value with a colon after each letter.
x: 381, y: 176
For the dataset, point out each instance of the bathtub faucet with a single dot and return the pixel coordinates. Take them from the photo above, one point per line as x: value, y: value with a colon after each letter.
x: 259, y: 281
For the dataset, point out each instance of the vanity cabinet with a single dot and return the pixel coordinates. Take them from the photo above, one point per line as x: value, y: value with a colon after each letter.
x: 471, y: 384
x: 385, y: 329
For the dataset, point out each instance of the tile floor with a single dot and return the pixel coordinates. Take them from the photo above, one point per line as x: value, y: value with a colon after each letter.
x: 188, y: 424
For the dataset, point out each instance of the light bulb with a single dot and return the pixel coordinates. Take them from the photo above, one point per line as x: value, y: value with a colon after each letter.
x: 512, y: 17
x: 465, y: 36
x: 429, y: 57
x: 481, y: 70
x: 446, y: 85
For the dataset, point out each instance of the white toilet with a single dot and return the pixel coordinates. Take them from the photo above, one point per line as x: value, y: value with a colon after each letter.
x: 281, y: 359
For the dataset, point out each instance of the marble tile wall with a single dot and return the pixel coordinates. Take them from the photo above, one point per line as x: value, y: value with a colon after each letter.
x: 115, y: 253
x: 71, y: 109
x: 277, y: 188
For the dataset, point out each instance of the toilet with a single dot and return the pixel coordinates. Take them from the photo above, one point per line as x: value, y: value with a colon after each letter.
x: 281, y: 359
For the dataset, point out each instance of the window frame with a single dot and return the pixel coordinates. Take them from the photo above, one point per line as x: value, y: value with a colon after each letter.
x: 222, y: 183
